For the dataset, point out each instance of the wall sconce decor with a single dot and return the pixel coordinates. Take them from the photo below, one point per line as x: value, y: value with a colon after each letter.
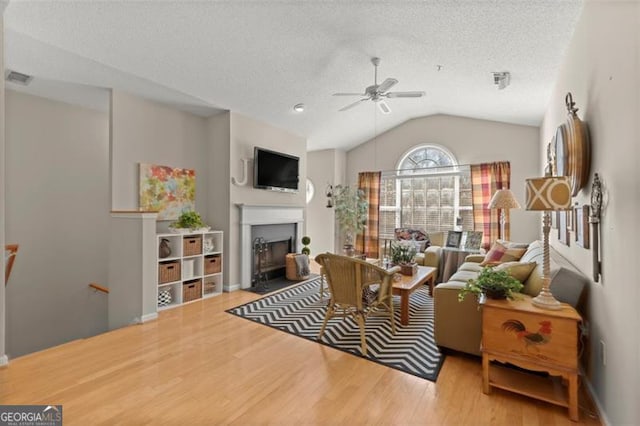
x: 594, y: 219
x: 329, y: 194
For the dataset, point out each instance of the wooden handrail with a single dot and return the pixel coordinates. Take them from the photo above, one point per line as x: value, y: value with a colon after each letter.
x: 99, y: 287
x: 12, y: 250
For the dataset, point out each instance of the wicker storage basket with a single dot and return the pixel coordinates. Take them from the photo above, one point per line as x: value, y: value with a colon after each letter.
x: 291, y: 271
x: 209, y: 286
x: 192, y: 245
x: 212, y: 264
x: 168, y: 271
x: 191, y: 290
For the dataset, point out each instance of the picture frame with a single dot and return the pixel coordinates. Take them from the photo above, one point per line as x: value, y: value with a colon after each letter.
x: 563, y: 232
x: 582, y: 226
x: 571, y: 220
x: 453, y: 239
x: 472, y: 240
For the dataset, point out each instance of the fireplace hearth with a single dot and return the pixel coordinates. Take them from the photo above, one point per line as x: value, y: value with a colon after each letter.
x: 273, y: 224
x: 269, y: 260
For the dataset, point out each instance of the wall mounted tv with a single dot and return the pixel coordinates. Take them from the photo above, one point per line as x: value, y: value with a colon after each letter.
x: 275, y: 171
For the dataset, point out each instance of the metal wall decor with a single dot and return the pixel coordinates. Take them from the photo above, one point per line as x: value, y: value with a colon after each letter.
x: 573, y: 149
x: 594, y: 219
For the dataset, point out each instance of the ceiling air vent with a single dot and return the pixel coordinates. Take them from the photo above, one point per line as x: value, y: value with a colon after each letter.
x: 18, y: 77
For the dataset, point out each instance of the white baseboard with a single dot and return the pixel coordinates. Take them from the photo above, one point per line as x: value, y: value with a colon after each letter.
x: 4, y: 361
x: 149, y: 317
x: 601, y: 413
x: 230, y: 288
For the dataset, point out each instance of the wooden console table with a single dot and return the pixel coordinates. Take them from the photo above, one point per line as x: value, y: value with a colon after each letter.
x: 518, y: 333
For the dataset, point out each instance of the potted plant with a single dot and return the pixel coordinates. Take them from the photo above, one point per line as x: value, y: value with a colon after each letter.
x: 493, y: 284
x: 305, y: 242
x: 351, y: 209
x: 188, y: 221
x: 402, y: 254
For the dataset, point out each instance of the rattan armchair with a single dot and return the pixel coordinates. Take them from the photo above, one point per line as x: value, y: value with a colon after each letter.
x: 347, y: 277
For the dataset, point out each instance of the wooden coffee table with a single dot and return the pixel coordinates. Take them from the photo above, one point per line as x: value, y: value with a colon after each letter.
x: 408, y: 284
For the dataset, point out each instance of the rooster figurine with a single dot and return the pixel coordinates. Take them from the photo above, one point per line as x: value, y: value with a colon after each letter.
x: 541, y: 337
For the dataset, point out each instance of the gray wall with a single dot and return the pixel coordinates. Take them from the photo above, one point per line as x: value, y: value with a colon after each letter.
x: 245, y: 134
x: 324, y: 167
x: 218, y: 191
x: 471, y: 141
x: 57, y: 209
x: 150, y: 132
x: 601, y: 71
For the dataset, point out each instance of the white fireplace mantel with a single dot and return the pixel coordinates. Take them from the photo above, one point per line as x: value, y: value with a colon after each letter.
x: 251, y: 215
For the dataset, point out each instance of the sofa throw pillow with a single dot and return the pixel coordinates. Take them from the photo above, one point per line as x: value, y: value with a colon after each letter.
x: 518, y: 270
x: 513, y: 244
x: 500, y: 254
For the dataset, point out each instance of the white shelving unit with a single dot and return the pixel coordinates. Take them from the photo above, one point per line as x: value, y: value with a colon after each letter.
x: 193, y: 269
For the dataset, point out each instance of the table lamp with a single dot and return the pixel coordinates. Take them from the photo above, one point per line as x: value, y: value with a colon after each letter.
x: 503, y: 199
x: 547, y: 194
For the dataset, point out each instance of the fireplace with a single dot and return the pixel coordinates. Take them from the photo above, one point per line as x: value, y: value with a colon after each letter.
x: 273, y: 224
x: 269, y: 259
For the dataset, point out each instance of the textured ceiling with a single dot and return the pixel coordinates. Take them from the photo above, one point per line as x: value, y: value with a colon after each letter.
x: 259, y: 58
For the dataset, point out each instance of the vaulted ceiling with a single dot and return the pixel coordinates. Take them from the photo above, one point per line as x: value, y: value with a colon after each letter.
x: 260, y: 58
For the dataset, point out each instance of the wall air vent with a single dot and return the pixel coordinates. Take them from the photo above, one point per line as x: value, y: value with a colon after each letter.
x: 18, y: 77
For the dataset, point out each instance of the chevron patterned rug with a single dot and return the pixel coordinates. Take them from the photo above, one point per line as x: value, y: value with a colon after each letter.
x: 299, y: 310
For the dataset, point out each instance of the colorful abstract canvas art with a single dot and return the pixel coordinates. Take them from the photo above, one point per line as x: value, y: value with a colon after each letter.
x: 167, y: 190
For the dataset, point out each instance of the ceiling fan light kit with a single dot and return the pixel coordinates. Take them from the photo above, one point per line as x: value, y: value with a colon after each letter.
x: 377, y: 92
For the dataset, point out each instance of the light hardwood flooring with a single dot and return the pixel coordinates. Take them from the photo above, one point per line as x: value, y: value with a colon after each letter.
x: 197, y: 365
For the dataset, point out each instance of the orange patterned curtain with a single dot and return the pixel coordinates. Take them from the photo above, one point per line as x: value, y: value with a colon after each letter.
x: 485, y: 180
x: 367, y: 242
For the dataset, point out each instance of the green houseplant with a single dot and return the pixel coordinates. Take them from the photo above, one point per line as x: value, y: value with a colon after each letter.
x: 493, y: 284
x: 351, y: 209
x: 402, y: 254
x: 190, y: 220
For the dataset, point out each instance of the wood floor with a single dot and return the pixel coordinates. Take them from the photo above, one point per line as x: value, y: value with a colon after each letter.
x: 198, y: 365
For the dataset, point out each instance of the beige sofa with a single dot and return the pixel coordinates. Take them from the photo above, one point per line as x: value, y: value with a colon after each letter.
x: 431, y: 256
x: 458, y: 325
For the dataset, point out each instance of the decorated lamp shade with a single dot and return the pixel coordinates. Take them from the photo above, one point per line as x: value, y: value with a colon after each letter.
x: 503, y: 199
x: 548, y: 193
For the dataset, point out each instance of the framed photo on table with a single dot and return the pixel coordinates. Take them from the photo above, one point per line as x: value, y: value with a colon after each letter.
x: 453, y: 239
x: 472, y: 240
x: 582, y: 226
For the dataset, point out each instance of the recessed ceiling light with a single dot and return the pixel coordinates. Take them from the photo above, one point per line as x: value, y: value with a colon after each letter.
x: 298, y: 107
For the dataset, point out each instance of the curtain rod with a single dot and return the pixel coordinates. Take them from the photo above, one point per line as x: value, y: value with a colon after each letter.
x: 424, y: 170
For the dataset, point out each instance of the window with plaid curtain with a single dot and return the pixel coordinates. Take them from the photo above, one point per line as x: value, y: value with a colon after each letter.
x: 486, y: 178
x: 367, y: 242
x: 429, y: 191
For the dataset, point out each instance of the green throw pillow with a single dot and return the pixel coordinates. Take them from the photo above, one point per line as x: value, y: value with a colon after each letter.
x: 518, y: 270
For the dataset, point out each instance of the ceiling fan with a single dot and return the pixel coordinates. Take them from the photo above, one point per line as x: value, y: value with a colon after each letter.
x: 378, y: 92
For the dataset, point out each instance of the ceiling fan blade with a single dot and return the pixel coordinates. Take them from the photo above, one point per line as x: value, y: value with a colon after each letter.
x: 387, y: 84
x: 384, y: 108
x: 405, y: 94
x: 348, y: 94
x: 356, y: 103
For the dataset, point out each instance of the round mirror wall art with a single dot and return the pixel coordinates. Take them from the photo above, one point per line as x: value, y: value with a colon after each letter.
x: 311, y: 190
x: 573, y: 149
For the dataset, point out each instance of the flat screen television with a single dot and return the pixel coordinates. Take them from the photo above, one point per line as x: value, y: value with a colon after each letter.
x: 275, y: 171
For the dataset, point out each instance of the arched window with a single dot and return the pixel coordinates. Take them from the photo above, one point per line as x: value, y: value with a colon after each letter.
x: 429, y: 190
x: 417, y: 159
